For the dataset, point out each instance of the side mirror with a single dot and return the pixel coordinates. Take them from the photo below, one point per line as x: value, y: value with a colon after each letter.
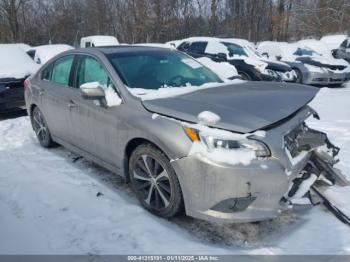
x: 92, y: 91
x: 278, y: 57
x: 222, y: 56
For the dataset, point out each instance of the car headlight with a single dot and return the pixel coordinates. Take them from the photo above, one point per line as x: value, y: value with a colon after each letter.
x: 314, y: 69
x: 268, y: 72
x: 212, y: 142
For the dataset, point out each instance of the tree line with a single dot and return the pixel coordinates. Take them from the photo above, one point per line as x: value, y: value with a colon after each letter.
x: 135, y: 21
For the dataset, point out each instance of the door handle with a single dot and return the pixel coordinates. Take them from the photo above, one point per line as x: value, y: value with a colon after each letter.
x: 71, y: 105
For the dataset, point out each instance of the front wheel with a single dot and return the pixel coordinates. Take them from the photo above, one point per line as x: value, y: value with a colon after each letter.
x: 154, y: 181
x: 40, y: 128
x: 299, y: 76
x: 245, y: 76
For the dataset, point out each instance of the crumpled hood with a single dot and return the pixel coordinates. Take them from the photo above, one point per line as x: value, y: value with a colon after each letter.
x: 243, y: 108
x: 277, y: 66
x: 333, y: 64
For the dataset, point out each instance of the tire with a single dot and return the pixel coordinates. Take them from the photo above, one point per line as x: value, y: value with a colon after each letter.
x: 245, y: 76
x: 41, y: 129
x: 299, y: 76
x: 154, y: 181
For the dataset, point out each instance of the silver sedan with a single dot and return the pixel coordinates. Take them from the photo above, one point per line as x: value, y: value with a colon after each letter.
x: 187, y: 141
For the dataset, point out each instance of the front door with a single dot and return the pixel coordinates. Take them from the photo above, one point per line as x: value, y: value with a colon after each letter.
x: 95, y: 127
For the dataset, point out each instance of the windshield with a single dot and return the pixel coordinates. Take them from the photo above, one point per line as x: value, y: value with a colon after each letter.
x: 160, y: 68
x: 304, y: 51
x: 235, y: 50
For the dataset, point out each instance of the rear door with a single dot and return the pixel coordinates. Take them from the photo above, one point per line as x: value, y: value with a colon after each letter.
x: 55, y: 93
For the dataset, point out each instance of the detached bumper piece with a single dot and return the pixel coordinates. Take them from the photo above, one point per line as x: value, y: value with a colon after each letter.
x: 320, y: 170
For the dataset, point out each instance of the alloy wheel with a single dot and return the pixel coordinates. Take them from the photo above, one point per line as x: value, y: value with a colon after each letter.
x: 152, y: 182
x: 40, y: 127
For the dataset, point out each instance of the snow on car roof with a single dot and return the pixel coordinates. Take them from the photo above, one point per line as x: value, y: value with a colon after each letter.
x: 15, y: 63
x: 283, y: 49
x: 333, y: 41
x: 101, y: 40
x: 24, y: 47
x: 44, y: 53
x: 175, y: 43
x: 317, y: 45
x: 238, y: 41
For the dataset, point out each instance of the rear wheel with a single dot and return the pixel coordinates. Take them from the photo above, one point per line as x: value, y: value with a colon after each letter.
x: 40, y: 128
x: 154, y: 181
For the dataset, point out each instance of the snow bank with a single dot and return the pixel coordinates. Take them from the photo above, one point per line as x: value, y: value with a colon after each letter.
x: 45, y: 52
x: 15, y: 63
x: 223, y: 69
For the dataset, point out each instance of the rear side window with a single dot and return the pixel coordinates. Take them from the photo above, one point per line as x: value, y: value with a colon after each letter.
x: 198, y: 47
x: 61, y: 70
x: 90, y: 70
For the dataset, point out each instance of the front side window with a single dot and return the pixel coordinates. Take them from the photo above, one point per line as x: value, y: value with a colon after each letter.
x: 156, y: 69
x: 90, y: 70
x: 61, y: 70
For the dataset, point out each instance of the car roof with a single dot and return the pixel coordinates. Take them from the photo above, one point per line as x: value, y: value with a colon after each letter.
x: 121, y: 49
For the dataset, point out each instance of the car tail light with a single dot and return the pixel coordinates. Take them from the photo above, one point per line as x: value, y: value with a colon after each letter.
x: 26, y: 84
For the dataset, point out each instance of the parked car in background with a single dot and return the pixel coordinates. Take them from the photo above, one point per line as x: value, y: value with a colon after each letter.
x: 248, y: 64
x: 160, y: 45
x: 98, y: 40
x: 15, y: 67
x: 318, y: 46
x: 311, y: 67
x: 344, y: 50
x: 333, y: 42
x: 43, y: 53
x: 185, y: 140
x: 224, y: 70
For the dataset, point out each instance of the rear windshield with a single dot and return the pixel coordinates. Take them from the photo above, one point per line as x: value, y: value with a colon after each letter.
x: 158, y: 68
x: 304, y: 52
x: 235, y: 50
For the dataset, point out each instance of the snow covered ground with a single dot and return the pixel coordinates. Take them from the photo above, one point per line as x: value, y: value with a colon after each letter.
x: 49, y: 205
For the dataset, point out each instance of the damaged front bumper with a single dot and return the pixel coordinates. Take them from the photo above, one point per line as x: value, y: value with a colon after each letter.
x: 244, y: 193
